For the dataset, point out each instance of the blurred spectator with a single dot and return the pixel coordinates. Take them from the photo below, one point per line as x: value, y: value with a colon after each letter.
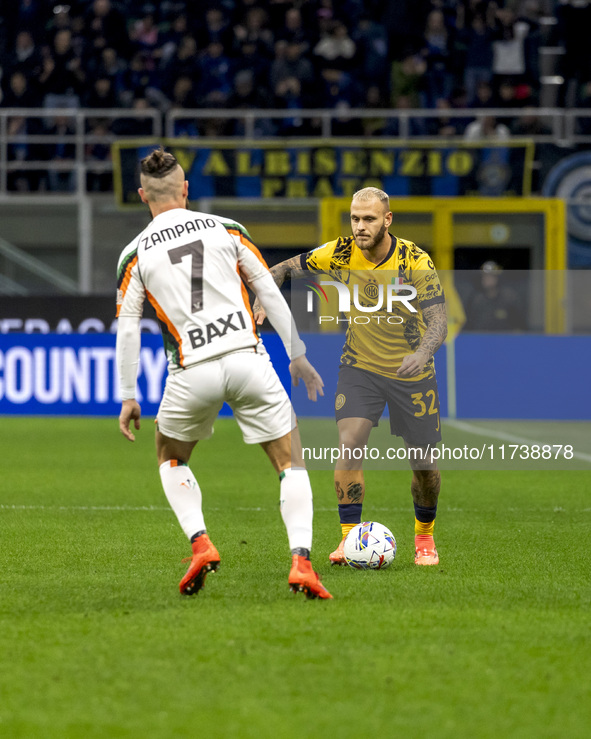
x: 19, y: 149
x: 183, y: 93
x: 530, y: 124
x: 62, y: 76
x: 247, y: 96
x: 415, y: 125
x: 374, y: 100
x: 339, y: 89
x: 216, y: 28
x: 288, y: 95
x: 18, y: 93
x: 477, y: 41
x: 215, y: 83
x: 336, y: 49
x: 140, y: 76
x: 436, y: 53
x: 485, y: 97
x: 184, y: 98
x: 145, y: 36
x: 253, y: 27
x: 27, y: 57
x: 140, y: 126
x: 105, y: 26
x: 494, y: 306
x: 253, y: 58
x: 98, y: 180
x: 345, y: 124
x: 371, y: 41
x: 293, y: 30
x: 172, y: 38
x: 510, y: 60
x: 289, y: 62
x: 109, y: 65
x: 408, y: 80
x: 486, y: 127
x: 574, y: 22
x: 443, y: 126
x: 183, y: 63
x: 64, y: 150
x: 101, y: 94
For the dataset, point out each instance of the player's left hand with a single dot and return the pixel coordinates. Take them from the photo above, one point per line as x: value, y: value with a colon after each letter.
x: 130, y: 411
x: 300, y: 368
x: 258, y: 312
x: 412, y: 364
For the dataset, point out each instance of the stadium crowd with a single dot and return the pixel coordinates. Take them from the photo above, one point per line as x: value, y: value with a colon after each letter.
x: 281, y: 55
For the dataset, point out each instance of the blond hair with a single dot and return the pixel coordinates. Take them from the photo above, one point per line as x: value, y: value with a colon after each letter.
x: 369, y: 193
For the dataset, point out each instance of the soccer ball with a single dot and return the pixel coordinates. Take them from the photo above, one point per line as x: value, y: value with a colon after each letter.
x: 370, y: 546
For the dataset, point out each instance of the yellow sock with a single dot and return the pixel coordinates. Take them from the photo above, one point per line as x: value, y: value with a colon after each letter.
x: 346, y: 527
x: 424, y: 528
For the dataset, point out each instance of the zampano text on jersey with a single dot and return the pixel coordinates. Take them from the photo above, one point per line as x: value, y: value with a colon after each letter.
x: 167, y: 234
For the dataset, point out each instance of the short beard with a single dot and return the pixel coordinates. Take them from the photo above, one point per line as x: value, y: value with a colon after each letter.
x: 378, y: 237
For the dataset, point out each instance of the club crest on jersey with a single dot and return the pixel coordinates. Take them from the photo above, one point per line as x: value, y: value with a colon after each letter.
x: 216, y: 329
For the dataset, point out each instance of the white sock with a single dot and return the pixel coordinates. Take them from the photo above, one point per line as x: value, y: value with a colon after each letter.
x: 184, y: 495
x: 296, y: 507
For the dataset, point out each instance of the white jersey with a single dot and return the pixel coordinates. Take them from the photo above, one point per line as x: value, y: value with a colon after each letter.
x: 191, y: 266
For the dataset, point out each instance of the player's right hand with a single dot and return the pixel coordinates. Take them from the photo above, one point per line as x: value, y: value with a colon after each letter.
x: 301, y: 369
x: 130, y: 411
x: 258, y: 312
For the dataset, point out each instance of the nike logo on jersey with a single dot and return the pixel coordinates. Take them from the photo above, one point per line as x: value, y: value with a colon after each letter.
x: 215, y: 330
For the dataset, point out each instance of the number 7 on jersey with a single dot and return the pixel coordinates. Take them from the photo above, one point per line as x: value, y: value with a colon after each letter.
x: 195, y: 251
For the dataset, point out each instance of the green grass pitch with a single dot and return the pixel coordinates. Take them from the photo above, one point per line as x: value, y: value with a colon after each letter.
x: 95, y: 640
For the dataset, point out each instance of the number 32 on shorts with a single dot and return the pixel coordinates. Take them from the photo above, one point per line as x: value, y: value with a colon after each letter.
x: 426, y: 404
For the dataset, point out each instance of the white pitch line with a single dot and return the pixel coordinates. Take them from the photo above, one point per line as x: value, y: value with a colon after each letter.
x: 80, y: 508
x: 503, y: 436
x: 164, y: 509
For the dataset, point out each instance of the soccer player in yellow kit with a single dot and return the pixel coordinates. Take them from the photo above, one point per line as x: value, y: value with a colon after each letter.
x: 383, y: 362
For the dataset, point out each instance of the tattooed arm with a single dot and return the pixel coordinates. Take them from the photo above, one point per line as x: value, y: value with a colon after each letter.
x: 287, y: 270
x: 436, y: 319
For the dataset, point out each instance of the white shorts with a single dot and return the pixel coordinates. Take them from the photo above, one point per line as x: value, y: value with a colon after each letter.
x: 245, y: 380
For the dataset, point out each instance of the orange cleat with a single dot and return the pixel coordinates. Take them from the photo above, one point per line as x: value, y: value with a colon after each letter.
x: 425, y: 552
x: 303, y: 579
x: 338, y: 556
x: 205, y: 559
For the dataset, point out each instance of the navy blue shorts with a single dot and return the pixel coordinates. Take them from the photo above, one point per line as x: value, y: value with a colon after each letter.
x: 413, y: 406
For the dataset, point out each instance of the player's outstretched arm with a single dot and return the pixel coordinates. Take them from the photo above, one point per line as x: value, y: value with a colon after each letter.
x: 130, y: 411
x: 436, y: 319
x: 287, y: 270
x: 301, y: 369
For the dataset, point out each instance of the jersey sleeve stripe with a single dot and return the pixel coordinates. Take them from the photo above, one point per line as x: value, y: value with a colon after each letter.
x: 432, y: 301
x: 248, y: 243
x: 125, y: 273
x: 170, y: 335
x: 247, y: 304
x: 124, y: 279
x: 122, y: 269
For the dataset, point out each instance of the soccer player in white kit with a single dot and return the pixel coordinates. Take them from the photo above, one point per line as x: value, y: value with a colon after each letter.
x: 193, y: 267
